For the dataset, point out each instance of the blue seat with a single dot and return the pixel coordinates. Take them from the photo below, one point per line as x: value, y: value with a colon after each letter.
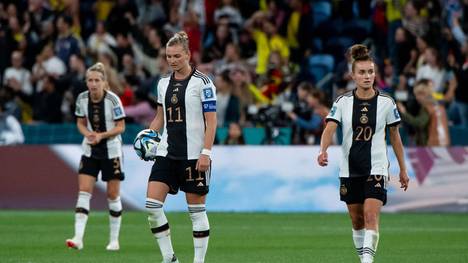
x: 321, y: 11
x: 357, y: 29
x: 337, y: 47
x: 317, y: 72
x: 322, y: 59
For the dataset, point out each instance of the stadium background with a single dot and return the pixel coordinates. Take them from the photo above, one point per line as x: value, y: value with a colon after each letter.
x: 259, y: 53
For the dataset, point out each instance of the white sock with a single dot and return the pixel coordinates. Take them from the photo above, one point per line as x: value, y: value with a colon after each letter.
x: 81, y: 214
x: 115, y: 218
x: 201, y: 231
x: 358, y: 238
x: 371, y: 241
x: 160, y: 228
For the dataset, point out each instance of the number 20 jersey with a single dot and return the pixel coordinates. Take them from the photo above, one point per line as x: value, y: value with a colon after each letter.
x: 184, y: 103
x: 363, y: 124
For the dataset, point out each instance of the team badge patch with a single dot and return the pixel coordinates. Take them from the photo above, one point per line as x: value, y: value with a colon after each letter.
x: 332, y: 111
x: 343, y: 190
x: 117, y: 111
x: 174, y: 99
x: 395, y: 112
x: 208, y: 93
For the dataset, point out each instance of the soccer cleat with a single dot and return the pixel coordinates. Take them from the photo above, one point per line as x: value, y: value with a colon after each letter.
x: 113, y: 246
x: 73, y: 243
x: 173, y: 260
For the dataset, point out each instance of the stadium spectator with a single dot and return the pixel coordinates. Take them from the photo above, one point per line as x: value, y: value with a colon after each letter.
x: 16, y: 76
x: 228, y: 105
x: 10, y: 129
x: 364, y: 172
x: 142, y: 110
x: 235, y: 136
x: 102, y: 152
x: 100, y: 40
x: 47, y: 104
x: 66, y: 44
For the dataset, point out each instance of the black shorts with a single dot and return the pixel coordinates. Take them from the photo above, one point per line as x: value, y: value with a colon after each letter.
x: 355, y: 190
x: 111, y: 169
x: 180, y: 174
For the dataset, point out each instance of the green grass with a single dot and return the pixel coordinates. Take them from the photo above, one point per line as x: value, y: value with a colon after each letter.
x: 236, y: 237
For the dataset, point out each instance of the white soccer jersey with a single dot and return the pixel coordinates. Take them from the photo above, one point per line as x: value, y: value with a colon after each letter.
x: 363, y: 123
x: 101, y: 117
x: 184, y: 103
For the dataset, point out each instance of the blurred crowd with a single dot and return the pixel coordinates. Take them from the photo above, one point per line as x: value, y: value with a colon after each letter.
x: 275, y: 63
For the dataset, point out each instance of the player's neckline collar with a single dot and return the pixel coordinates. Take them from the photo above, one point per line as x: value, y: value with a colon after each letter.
x: 376, y: 93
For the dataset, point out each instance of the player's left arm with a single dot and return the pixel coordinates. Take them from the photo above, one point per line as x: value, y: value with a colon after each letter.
x: 208, y: 96
x: 393, y: 119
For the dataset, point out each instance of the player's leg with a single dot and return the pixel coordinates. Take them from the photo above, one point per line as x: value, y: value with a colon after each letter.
x: 356, y: 212
x: 115, y: 214
x: 375, y: 198
x: 200, y: 225
x: 112, y: 174
x: 196, y: 186
x: 86, y: 186
x: 160, y: 184
x: 352, y: 193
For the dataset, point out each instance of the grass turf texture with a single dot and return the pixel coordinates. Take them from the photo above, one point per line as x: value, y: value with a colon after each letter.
x: 235, y: 237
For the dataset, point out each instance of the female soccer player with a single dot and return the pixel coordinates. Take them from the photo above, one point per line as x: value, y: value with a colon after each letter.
x: 187, y: 112
x: 364, y: 114
x: 100, y: 118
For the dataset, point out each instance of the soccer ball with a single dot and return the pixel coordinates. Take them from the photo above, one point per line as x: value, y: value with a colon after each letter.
x: 146, y: 143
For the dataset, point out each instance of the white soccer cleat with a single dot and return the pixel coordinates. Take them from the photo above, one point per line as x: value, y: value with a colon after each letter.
x: 113, y: 246
x: 74, y: 243
x: 173, y: 260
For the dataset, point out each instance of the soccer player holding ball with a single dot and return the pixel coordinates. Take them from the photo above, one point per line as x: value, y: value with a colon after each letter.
x: 187, y: 113
x: 100, y: 118
x: 364, y: 114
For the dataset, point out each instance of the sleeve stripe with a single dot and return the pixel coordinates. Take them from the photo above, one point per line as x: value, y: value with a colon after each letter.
x: 393, y: 124
x: 205, y: 79
x: 333, y: 120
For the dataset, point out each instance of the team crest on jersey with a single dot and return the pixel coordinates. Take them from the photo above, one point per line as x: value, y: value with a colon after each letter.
x: 332, y: 111
x: 343, y: 190
x: 208, y: 93
x: 364, y: 119
x: 174, y: 99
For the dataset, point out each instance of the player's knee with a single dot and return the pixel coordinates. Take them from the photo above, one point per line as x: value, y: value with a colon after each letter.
x: 357, y: 221
x: 82, y: 204
x: 199, y: 218
x: 370, y: 219
x: 115, y: 207
x: 156, y: 216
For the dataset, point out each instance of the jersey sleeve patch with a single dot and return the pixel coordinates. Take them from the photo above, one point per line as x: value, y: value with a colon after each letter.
x: 118, y: 113
x: 209, y: 106
x: 208, y: 93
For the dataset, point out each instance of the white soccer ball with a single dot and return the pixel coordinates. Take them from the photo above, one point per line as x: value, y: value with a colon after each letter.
x: 146, y: 144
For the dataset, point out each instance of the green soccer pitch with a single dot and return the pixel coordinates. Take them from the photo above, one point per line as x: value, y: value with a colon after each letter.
x: 39, y: 236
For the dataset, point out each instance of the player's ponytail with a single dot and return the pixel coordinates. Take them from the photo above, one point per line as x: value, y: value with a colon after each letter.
x: 179, y: 38
x: 358, y: 53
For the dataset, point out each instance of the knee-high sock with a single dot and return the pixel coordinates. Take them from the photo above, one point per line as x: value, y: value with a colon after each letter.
x: 358, y: 238
x: 81, y: 214
x: 160, y: 228
x: 115, y: 218
x: 371, y: 241
x: 201, y: 231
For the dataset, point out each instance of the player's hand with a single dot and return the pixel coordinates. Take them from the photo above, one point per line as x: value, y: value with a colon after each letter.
x: 98, y: 138
x: 322, y: 159
x: 404, y: 180
x: 203, y: 163
x: 91, y: 137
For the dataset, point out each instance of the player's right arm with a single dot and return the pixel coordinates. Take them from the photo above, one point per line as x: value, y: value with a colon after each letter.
x: 158, y: 120
x: 81, y: 123
x: 333, y: 119
x: 325, y: 142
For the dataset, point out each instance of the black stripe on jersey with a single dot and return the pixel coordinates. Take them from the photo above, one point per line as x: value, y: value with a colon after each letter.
x: 114, y: 100
x: 197, y: 72
x: 199, y: 75
x: 97, y: 119
x: 331, y: 119
x: 364, y: 119
x: 387, y: 96
x: 393, y: 124
x: 347, y: 94
x: 176, y: 120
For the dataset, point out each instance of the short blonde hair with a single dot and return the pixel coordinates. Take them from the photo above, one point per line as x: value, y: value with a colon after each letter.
x: 179, y: 38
